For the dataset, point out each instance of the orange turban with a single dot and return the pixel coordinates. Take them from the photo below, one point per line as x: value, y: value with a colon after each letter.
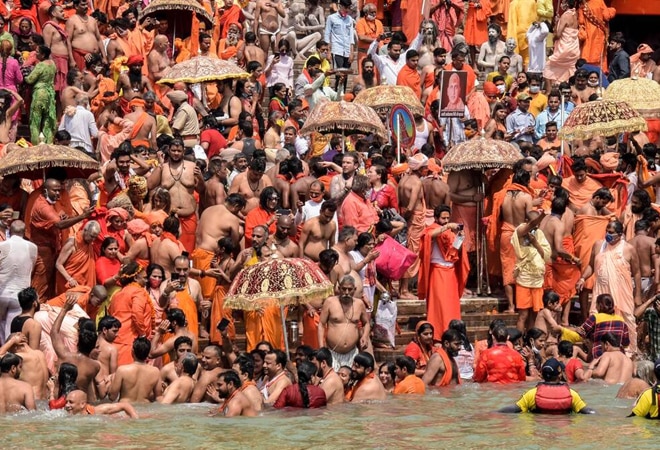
x: 434, y: 166
x: 118, y: 212
x: 593, y: 165
x: 135, y: 60
x: 399, y: 169
x: 136, y: 102
x: 156, y: 217
x: 137, y: 227
x: 490, y: 88
x: 644, y: 48
x: 609, y: 161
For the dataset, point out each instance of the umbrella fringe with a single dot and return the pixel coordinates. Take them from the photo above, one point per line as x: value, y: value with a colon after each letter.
x: 201, y: 79
x: 612, y: 128
x: 174, y: 5
x: 290, y: 297
x: 456, y: 167
x: 28, y: 167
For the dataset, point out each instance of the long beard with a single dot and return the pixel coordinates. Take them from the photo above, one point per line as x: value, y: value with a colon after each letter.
x: 135, y: 78
x: 429, y: 40
x: 232, y: 40
x: 368, y: 78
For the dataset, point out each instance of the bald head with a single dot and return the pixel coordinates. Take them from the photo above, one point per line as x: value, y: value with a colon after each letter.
x: 76, y: 401
x: 161, y: 39
x: 17, y: 228
x: 92, y: 226
x: 99, y: 294
x: 52, y: 183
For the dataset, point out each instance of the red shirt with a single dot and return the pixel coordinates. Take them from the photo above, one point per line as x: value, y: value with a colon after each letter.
x: 571, y: 367
x: 357, y: 212
x: 500, y: 364
x: 291, y: 396
x: 215, y: 140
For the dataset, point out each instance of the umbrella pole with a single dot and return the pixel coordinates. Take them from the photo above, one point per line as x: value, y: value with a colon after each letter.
x: 286, y: 337
x: 398, y: 141
x: 483, y: 252
x: 478, y: 244
x: 563, y: 106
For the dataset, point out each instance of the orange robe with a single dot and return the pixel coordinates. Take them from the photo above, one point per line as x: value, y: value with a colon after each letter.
x: 507, y: 254
x: 449, y: 369
x: 264, y: 327
x: 586, y: 231
x: 310, y: 329
x: 80, y: 265
x: 411, y: 12
x: 580, y: 193
x: 471, y: 78
x: 415, y: 229
x: 411, y: 384
x: 218, y: 312
x: 593, y: 18
x: 188, y: 231
x: 186, y: 303
x: 411, y: 78
x: 83, y: 300
x: 476, y: 23
x: 133, y: 308
x: 442, y: 286
x: 258, y: 216
x: 225, y: 52
x: 222, y: 20
x: 561, y: 276
x: 47, y: 238
x: 201, y: 260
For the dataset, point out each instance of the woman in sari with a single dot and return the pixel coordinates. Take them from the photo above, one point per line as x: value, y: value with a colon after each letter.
x: 421, y: 348
x: 107, y: 272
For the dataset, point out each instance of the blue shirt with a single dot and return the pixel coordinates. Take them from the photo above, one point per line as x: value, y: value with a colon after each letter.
x: 339, y: 34
x: 546, y: 116
x: 517, y: 121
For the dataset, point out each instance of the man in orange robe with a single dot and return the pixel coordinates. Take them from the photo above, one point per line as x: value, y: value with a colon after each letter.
x: 443, y: 271
x: 580, y: 186
x: 593, y: 26
x: 88, y: 298
x: 226, y: 13
x: 409, y: 75
x: 412, y: 15
x: 443, y: 360
x: 132, y: 307
x: 75, y: 263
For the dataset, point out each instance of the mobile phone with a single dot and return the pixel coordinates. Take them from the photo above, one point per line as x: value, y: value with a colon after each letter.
x: 460, y: 227
x: 174, y: 277
x: 301, y: 196
x: 283, y: 212
x: 223, y: 324
x: 15, y: 215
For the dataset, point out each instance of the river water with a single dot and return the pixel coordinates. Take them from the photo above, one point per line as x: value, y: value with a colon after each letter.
x: 460, y: 417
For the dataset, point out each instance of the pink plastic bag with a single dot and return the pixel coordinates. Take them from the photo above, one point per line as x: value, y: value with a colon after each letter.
x: 394, y: 259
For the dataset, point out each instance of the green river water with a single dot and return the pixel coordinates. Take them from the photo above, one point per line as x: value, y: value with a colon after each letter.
x: 464, y: 417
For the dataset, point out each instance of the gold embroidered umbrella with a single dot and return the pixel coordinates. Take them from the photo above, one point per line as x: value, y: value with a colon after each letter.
x: 32, y: 162
x: 177, y: 9
x: 602, y: 118
x: 382, y: 98
x: 641, y: 94
x: 481, y: 153
x: 200, y: 69
x: 278, y: 282
x: 343, y: 118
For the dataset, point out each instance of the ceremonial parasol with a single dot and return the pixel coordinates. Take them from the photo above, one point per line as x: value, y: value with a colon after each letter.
x: 278, y: 281
x: 32, y: 162
x: 179, y: 15
x: 641, y: 94
x: 481, y: 153
x: 383, y: 97
x: 343, y: 118
x: 200, y: 69
x: 603, y: 118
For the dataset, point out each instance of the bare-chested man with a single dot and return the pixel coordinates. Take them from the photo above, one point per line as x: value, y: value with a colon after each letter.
x: 318, y: 233
x: 436, y: 369
x: 267, y: 21
x: 119, y: 45
x: 72, y: 89
x: 108, y: 328
x: 465, y: 192
x: 517, y: 204
x: 180, y: 390
x: 181, y: 178
x: 88, y: 368
x: 163, y: 249
x: 330, y: 381
x: 55, y: 38
x: 645, y: 246
x: 252, y: 51
x: 300, y: 188
x: 211, y: 368
x: 157, y: 59
x: 243, y: 365
x: 83, y: 34
x: 250, y: 184
x: 367, y: 386
x: 236, y: 403
x: 76, y: 404
x: 137, y: 382
x: 220, y: 221
x: 144, y: 125
x: 341, y: 184
x: 281, y: 241
x: 182, y: 345
x: 341, y: 315
x: 215, y: 190
x: 132, y: 84
x: 274, y: 365
x: 436, y: 193
x: 169, y: 330
x: 614, y: 366
x: 17, y: 394
x: 34, y: 369
x: 346, y: 241
x: 413, y: 209
x: 557, y: 227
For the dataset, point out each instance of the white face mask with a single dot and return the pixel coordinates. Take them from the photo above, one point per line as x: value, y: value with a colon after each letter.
x: 534, y: 89
x: 501, y: 88
x: 592, y: 83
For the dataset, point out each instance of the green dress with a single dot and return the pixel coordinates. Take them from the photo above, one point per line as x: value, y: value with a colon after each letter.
x: 43, y: 117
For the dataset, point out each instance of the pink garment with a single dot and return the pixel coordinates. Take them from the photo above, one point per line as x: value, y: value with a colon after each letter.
x: 612, y: 276
x: 447, y: 19
x: 69, y: 331
x: 561, y: 65
x: 109, y: 142
x: 12, y: 75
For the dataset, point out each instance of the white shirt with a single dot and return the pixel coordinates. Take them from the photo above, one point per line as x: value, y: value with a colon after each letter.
x: 387, y: 67
x: 536, y: 40
x: 82, y: 128
x: 17, y: 258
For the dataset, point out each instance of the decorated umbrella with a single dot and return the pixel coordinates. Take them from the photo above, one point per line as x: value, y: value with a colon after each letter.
x: 601, y: 117
x: 179, y: 15
x: 278, y: 281
x: 200, y: 69
x: 481, y: 154
x: 641, y: 94
x: 32, y: 162
x: 343, y: 118
x: 383, y: 97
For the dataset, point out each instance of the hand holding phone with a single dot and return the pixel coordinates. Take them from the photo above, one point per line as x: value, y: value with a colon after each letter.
x: 223, y: 324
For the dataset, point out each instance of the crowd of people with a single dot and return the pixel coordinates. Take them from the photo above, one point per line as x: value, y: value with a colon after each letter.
x: 111, y: 285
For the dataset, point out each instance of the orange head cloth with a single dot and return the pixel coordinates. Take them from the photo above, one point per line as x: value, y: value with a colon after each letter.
x: 136, y: 102
x: 137, y: 227
x: 490, y: 88
x: 399, y: 169
x: 434, y: 166
x: 135, y: 60
x: 609, y: 161
x: 156, y: 217
x: 420, y: 324
x: 593, y: 165
x: 118, y: 212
